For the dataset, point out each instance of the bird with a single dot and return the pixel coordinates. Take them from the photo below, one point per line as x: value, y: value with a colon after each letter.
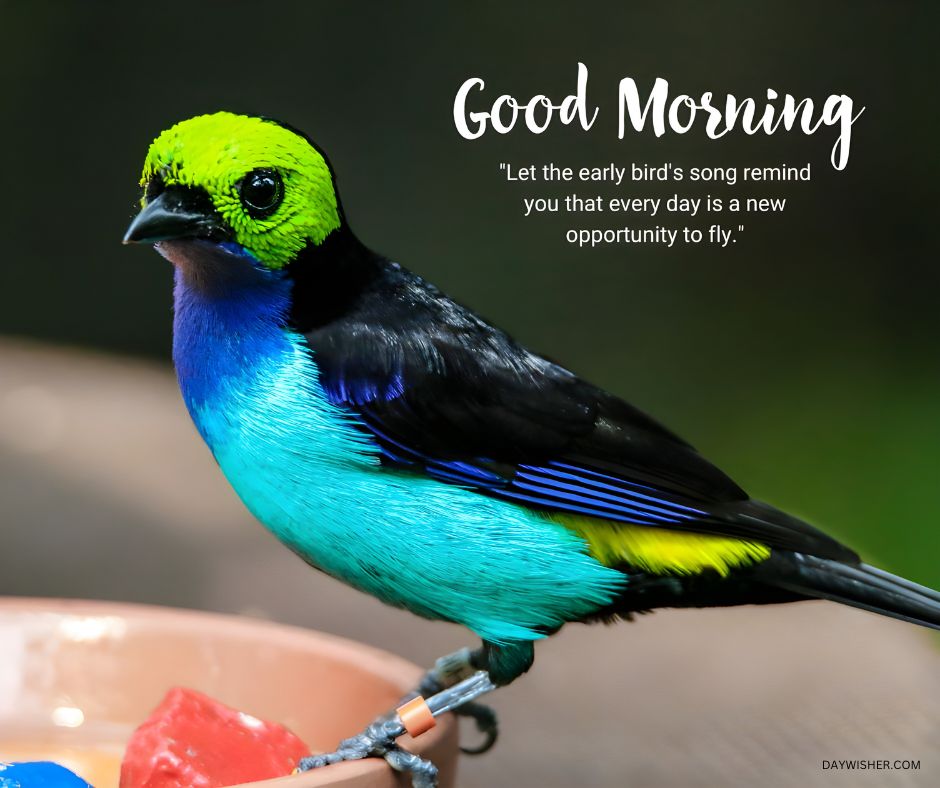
x: 399, y: 442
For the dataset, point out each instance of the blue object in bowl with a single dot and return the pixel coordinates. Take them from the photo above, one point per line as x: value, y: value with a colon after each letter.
x: 39, y: 774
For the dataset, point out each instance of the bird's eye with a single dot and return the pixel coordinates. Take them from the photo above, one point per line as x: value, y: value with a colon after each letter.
x: 261, y: 191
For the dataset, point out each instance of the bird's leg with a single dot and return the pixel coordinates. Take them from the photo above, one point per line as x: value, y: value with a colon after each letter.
x: 378, y: 739
x: 446, y: 672
x: 450, y: 669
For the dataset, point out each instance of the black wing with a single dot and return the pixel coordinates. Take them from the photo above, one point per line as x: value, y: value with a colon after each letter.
x: 446, y: 394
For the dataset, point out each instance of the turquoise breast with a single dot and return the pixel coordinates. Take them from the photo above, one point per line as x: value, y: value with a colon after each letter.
x: 315, y: 480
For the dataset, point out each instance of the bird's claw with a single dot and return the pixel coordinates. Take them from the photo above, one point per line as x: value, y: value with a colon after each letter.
x: 378, y: 741
x: 486, y: 722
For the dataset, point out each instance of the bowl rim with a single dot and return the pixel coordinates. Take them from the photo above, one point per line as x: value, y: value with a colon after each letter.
x: 397, y: 670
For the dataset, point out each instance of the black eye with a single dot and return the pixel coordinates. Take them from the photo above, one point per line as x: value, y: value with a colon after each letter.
x: 261, y: 191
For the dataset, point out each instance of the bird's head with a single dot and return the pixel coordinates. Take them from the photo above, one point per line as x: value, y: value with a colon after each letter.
x: 237, y: 180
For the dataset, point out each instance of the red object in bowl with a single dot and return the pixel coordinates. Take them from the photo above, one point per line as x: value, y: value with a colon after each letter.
x: 193, y: 741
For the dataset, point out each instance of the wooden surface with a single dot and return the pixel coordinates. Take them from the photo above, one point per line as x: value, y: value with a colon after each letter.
x: 107, y: 492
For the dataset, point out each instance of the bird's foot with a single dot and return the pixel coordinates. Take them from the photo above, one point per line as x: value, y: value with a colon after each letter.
x: 378, y: 739
x: 448, y: 671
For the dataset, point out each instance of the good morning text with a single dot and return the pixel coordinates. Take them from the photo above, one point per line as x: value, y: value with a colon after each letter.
x: 473, y: 116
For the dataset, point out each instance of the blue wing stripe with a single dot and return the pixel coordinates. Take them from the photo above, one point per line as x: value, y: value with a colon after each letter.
x: 598, y: 508
x: 441, y: 473
x: 395, y: 458
x: 386, y: 439
x: 624, y: 497
x: 588, y: 472
x: 569, y: 507
x: 474, y: 471
x: 623, y: 489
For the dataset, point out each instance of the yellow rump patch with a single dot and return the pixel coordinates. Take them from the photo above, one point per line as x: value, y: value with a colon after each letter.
x: 660, y: 550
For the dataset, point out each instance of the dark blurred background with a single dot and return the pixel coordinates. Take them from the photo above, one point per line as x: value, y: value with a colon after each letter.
x: 803, y: 359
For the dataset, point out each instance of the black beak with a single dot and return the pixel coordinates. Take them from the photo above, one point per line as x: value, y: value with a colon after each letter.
x: 177, y: 212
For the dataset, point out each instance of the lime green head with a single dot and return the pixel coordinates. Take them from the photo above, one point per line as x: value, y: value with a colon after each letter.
x: 237, y: 179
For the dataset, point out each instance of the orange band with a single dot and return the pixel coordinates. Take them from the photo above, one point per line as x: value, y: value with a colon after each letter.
x: 416, y: 716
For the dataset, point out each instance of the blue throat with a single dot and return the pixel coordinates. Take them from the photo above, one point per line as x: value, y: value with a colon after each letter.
x: 228, y: 314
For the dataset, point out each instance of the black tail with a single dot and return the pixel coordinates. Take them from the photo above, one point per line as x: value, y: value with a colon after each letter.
x: 860, y: 586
